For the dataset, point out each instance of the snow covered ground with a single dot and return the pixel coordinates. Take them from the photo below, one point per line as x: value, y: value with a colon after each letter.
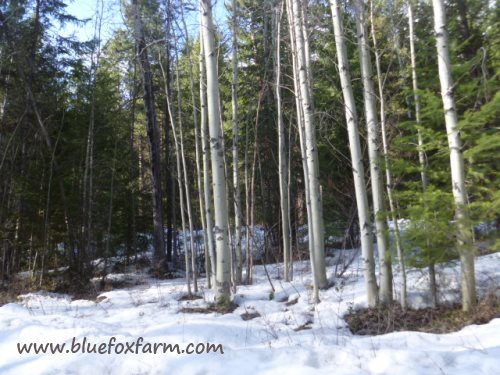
x: 290, y: 336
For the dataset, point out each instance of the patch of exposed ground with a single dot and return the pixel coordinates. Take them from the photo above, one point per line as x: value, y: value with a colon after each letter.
x: 442, y: 319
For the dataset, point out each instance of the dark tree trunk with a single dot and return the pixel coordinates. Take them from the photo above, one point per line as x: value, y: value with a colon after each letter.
x: 154, y: 140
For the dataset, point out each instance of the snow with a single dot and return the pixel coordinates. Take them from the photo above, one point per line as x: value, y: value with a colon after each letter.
x: 291, y: 335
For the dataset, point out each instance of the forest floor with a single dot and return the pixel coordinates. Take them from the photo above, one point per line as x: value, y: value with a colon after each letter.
x: 440, y: 319
x: 269, y: 329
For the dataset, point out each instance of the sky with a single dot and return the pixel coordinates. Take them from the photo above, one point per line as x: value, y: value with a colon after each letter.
x: 113, y: 19
x: 83, y: 9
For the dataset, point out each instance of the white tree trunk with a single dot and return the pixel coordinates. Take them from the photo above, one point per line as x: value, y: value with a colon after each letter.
x: 236, y: 173
x: 282, y: 156
x: 186, y: 181
x: 296, y: 30
x: 356, y: 156
x: 301, y: 132
x: 197, y: 151
x: 311, y: 154
x: 223, y: 266
x: 303, y: 33
x: 464, y: 235
x: 207, y: 192
x: 248, y: 235
x: 385, y: 150
x: 385, y: 292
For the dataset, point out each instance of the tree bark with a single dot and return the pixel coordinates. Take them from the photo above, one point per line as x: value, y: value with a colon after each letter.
x: 236, y: 173
x: 132, y: 172
x: 169, y: 179
x: 186, y: 181
x: 301, y: 133
x: 311, y: 151
x: 88, y: 174
x: 223, y: 266
x: 385, y: 152
x: 206, y: 163
x: 282, y: 149
x: 464, y: 234
x: 197, y: 144
x: 356, y: 157
x: 385, y: 292
x: 179, y: 179
x: 154, y: 138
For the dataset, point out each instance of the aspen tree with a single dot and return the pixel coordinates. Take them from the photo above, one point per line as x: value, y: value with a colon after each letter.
x: 186, y: 182
x: 385, y: 150
x: 300, y: 130
x: 197, y: 153
x: 282, y: 157
x: 464, y: 234
x: 385, y: 291
x: 356, y: 157
x: 205, y: 148
x: 236, y: 173
x: 223, y: 266
x: 309, y: 150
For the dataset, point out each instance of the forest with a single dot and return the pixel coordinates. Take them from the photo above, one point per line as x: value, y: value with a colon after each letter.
x: 288, y: 130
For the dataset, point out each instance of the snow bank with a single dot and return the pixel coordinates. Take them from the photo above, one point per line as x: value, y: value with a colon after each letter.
x: 288, y: 336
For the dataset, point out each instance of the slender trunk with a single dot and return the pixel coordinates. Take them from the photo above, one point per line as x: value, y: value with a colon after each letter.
x: 223, y: 266
x: 311, y: 154
x: 187, y: 252
x: 197, y: 148
x: 385, y: 292
x: 356, y: 157
x: 252, y: 172
x: 289, y: 195
x: 282, y: 152
x: 107, y: 252
x: 132, y: 171
x: 169, y: 174
x: 186, y: 181
x: 300, y: 131
x: 140, y: 168
x: 206, y: 164
x: 88, y: 174
x: 464, y: 233
x: 305, y: 33
x: 249, y: 248
x: 169, y: 191
x: 385, y: 151
x: 251, y: 231
x: 46, y: 227
x: 179, y: 176
x: 236, y: 173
